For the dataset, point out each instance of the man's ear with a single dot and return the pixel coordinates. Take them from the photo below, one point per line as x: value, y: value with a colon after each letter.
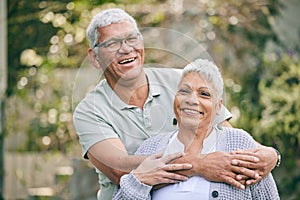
x: 93, y: 57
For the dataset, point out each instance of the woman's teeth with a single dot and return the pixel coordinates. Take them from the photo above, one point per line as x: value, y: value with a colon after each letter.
x: 192, y: 111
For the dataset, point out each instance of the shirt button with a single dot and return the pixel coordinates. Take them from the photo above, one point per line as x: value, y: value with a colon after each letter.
x: 215, y: 194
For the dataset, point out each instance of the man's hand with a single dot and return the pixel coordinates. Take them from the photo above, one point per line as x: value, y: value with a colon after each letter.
x: 267, y: 161
x: 156, y: 170
x: 217, y: 167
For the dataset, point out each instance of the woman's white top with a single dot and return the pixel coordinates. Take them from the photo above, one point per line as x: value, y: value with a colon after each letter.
x: 194, y: 188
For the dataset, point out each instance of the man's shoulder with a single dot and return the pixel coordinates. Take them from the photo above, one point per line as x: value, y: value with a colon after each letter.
x: 164, y: 70
x: 163, y: 75
x: 95, y: 94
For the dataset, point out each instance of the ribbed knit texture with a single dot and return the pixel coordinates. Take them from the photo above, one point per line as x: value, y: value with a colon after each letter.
x: 230, y: 139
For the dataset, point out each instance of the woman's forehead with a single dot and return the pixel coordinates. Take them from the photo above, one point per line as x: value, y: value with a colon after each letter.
x: 194, y: 78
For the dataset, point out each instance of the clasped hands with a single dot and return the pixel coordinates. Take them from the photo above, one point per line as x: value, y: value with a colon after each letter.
x: 225, y: 167
x: 239, y: 168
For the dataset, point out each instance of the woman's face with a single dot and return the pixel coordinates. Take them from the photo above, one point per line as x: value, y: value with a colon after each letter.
x: 195, y: 103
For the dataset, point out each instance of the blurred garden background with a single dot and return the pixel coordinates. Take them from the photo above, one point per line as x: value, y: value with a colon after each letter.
x: 44, y: 73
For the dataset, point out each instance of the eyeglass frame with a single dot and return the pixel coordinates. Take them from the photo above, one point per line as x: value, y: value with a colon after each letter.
x: 120, y: 41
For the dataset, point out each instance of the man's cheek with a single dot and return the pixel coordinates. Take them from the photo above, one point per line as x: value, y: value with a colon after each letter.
x: 105, y: 62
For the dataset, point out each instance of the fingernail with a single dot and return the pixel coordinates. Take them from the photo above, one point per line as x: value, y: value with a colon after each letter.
x: 256, y: 159
x: 242, y: 187
x: 234, y: 162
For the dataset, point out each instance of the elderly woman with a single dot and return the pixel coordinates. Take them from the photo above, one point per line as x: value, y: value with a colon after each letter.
x: 196, y: 105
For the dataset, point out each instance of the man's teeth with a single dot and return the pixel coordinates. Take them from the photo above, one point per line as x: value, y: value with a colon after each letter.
x: 193, y: 111
x: 126, y: 60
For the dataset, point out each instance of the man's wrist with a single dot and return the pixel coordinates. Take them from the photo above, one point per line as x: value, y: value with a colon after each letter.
x: 278, y: 157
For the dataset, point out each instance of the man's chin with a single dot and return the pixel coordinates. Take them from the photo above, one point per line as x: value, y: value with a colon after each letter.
x: 132, y: 73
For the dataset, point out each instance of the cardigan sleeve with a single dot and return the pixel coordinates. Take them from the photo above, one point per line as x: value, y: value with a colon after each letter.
x: 265, y: 189
x: 156, y: 144
x: 239, y: 139
x: 132, y: 189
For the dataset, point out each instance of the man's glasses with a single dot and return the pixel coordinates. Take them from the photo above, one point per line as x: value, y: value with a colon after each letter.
x: 115, y: 44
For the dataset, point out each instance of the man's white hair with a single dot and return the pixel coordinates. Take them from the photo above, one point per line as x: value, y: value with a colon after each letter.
x: 105, y: 18
x: 209, y: 71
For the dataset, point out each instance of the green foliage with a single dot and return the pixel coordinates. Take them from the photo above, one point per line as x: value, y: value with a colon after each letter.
x: 46, y: 44
x: 46, y: 37
x: 45, y: 113
x: 280, y: 122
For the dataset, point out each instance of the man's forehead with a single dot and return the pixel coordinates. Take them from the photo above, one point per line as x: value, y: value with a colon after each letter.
x: 117, y: 29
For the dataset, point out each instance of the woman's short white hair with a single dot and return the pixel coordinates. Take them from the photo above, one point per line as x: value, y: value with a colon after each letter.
x: 105, y: 18
x: 209, y: 71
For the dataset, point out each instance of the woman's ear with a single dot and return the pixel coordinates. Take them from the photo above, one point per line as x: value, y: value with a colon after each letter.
x: 93, y: 57
x: 176, y: 120
x: 219, y: 106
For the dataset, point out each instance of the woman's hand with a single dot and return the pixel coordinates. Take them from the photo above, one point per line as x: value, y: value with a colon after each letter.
x: 157, y: 169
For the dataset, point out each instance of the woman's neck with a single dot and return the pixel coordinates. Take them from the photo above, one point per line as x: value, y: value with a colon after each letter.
x: 193, y: 139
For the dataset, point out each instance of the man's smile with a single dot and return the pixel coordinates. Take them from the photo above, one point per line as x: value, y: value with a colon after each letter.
x: 127, y: 60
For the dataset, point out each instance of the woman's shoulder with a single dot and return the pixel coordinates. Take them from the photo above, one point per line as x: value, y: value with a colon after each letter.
x: 154, y: 144
x: 238, y: 137
x: 234, y: 131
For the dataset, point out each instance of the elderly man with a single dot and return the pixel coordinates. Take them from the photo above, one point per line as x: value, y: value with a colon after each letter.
x: 132, y: 104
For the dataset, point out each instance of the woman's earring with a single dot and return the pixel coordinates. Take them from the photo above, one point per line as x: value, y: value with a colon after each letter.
x: 174, y: 121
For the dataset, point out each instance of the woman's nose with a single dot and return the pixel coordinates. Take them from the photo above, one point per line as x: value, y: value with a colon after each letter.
x: 192, y: 98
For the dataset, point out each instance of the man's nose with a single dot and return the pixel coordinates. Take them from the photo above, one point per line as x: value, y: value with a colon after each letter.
x: 125, y: 47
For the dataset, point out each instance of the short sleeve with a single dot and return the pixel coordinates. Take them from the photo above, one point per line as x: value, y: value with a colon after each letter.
x: 90, y: 126
x: 224, y: 114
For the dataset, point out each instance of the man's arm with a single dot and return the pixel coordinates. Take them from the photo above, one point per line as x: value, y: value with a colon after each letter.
x: 152, y: 171
x: 113, y: 174
x: 217, y: 167
x: 268, y: 160
x: 236, y: 168
x: 112, y: 159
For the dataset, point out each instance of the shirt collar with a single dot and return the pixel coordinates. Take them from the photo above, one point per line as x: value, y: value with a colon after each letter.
x: 154, y: 91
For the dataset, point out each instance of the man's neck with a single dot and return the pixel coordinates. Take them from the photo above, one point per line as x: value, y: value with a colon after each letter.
x: 132, y: 92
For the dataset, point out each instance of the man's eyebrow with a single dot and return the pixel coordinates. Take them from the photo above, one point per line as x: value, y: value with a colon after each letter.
x: 125, y: 35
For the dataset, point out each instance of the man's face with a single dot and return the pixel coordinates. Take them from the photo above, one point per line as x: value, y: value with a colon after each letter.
x: 125, y: 63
